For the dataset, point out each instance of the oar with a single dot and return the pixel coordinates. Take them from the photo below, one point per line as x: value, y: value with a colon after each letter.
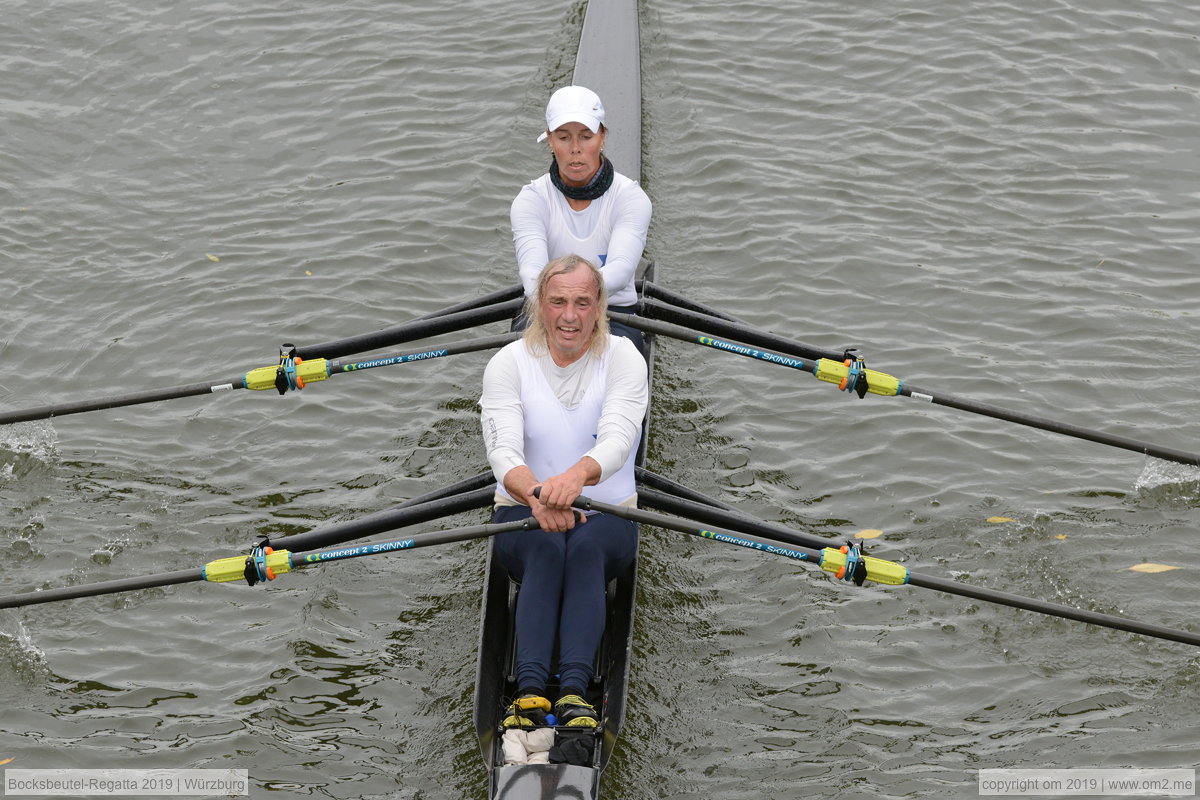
x: 290, y: 373
x: 463, y: 487
x: 648, y: 479
x: 267, y: 565
x: 499, y: 296
x: 411, y: 331
x: 466, y: 495
x: 851, y: 374
x: 388, y: 519
x: 746, y: 333
x: 849, y: 564
x: 651, y: 289
x: 666, y: 495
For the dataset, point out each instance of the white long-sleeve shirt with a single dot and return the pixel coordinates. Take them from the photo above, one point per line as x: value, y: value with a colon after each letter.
x: 610, y: 233
x: 607, y: 427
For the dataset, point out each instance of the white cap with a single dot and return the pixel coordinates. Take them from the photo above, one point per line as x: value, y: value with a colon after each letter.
x: 573, y: 104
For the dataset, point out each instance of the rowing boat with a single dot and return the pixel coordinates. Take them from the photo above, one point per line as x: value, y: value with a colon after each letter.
x: 608, y: 63
x: 496, y: 686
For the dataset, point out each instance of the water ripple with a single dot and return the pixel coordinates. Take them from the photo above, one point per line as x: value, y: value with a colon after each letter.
x: 986, y: 203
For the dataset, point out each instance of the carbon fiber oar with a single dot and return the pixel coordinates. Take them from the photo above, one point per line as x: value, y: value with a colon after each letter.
x: 264, y: 565
x: 411, y: 331
x: 848, y: 563
x: 292, y: 373
x: 850, y: 373
x: 651, y: 289
x: 495, y: 298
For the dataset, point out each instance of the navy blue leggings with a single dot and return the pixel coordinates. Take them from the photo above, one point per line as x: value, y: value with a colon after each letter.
x: 563, y: 579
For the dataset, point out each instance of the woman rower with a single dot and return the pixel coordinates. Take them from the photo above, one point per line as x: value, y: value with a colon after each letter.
x: 582, y: 206
x: 562, y: 409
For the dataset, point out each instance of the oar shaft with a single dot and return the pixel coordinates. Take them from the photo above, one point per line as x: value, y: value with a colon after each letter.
x: 731, y: 519
x: 475, y: 493
x: 410, y: 331
x: 826, y: 369
x: 463, y: 487
x: 652, y: 480
x: 411, y: 543
x: 105, y: 587
x: 1064, y: 428
x: 231, y: 569
x: 685, y: 334
x: 796, y: 551
x: 1053, y: 609
x: 801, y: 553
x: 754, y: 336
x: 886, y: 385
x: 499, y: 296
x: 469, y: 346
x: 118, y: 401
x: 651, y: 289
x: 450, y: 319
x: 386, y: 520
x: 263, y: 378
x: 466, y: 495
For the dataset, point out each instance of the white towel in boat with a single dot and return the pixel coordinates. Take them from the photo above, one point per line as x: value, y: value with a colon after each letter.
x: 528, y: 747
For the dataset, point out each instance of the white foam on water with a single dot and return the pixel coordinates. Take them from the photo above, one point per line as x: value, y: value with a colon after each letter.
x: 38, y: 439
x: 1158, y: 473
x: 27, y: 651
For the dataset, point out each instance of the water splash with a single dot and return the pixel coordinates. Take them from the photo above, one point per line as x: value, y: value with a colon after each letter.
x: 1183, y: 479
x: 26, y: 441
x: 18, y: 648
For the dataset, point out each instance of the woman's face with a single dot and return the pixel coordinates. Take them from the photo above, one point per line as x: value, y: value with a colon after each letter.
x: 577, y: 151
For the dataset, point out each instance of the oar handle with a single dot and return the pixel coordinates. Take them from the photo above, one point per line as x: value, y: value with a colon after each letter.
x: 537, y: 492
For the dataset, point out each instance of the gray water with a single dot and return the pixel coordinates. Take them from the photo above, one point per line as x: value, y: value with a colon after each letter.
x: 997, y: 201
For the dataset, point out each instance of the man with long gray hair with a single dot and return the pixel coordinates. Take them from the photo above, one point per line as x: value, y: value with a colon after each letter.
x: 562, y: 409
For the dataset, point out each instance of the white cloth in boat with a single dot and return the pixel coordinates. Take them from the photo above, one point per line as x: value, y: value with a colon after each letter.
x: 527, y: 747
x: 610, y: 233
x: 538, y: 414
